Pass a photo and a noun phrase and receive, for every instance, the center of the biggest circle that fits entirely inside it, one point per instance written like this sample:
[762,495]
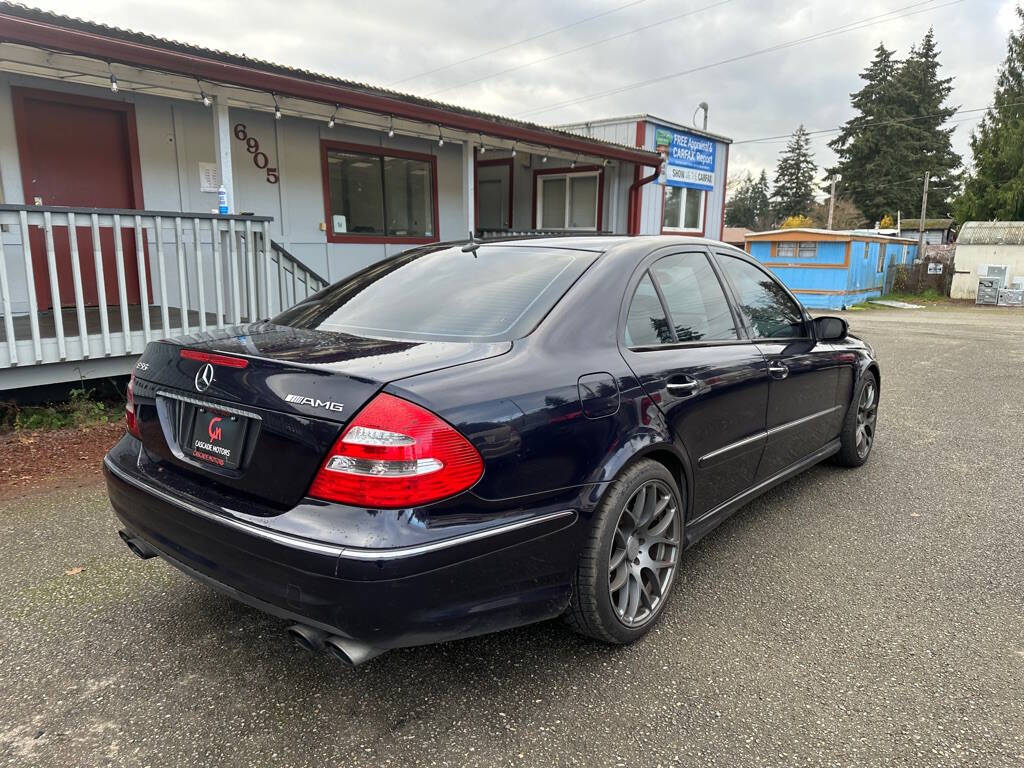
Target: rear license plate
[217,438]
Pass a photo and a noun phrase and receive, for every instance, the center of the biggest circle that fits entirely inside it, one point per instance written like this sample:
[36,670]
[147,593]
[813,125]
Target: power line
[852,26]
[819,133]
[579,48]
[518,42]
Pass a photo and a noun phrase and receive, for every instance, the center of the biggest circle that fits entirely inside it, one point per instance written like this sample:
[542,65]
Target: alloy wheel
[644,553]
[867,413]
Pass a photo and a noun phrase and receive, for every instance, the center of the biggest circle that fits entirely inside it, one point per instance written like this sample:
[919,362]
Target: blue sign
[689,159]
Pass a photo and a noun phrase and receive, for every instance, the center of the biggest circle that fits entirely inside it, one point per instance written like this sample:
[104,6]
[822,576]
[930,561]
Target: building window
[805,249]
[683,210]
[376,197]
[881,258]
[569,200]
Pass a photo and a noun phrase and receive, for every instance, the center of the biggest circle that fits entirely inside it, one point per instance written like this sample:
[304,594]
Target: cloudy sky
[590,59]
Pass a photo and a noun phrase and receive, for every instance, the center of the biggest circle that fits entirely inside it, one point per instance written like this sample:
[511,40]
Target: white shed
[984,249]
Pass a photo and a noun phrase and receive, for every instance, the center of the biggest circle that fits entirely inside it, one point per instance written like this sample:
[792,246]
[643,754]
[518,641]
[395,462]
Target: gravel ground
[866,617]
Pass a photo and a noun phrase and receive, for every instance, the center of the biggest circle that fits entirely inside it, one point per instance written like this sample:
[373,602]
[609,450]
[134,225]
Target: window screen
[695,298]
[764,303]
[496,293]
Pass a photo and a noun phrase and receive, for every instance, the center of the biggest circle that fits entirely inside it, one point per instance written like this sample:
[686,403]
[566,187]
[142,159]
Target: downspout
[633,225]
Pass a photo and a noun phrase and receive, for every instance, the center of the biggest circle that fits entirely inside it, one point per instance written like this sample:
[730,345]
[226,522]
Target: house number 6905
[259,158]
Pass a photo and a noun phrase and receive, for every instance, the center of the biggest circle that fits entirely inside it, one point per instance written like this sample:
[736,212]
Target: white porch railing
[193,272]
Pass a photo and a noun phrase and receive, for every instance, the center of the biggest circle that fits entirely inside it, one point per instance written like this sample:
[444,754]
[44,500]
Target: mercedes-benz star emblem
[204,378]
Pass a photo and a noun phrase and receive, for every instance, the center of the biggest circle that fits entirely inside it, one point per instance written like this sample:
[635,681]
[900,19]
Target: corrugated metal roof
[21,11]
[649,118]
[991,233]
[942,224]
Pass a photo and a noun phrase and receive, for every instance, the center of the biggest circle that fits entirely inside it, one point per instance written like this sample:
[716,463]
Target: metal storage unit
[1010,297]
[988,290]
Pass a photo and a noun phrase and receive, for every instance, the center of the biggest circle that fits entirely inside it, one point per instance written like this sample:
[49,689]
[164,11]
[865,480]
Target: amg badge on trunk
[329,405]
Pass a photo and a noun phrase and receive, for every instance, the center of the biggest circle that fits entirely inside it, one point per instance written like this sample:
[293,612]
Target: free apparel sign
[689,159]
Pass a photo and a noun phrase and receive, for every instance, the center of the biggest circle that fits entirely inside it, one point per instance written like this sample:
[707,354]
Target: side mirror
[831,328]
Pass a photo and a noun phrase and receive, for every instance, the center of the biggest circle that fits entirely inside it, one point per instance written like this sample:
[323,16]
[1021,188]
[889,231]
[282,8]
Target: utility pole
[831,203]
[924,210]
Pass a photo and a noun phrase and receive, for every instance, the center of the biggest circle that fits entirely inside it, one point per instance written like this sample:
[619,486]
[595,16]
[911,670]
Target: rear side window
[646,323]
[695,299]
[497,293]
[768,309]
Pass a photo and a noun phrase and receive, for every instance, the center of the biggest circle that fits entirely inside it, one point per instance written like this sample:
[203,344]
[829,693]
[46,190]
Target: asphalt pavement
[870,617]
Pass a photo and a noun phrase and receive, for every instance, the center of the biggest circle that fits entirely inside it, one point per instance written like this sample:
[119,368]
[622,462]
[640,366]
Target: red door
[79,152]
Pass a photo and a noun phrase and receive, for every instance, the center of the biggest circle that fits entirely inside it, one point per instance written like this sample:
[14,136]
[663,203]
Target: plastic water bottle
[222,201]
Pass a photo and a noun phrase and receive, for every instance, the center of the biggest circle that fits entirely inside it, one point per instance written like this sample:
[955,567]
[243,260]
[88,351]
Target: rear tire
[628,565]
[858,434]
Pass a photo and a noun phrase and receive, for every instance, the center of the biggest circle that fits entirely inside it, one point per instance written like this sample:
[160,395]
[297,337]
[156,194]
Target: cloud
[383,41]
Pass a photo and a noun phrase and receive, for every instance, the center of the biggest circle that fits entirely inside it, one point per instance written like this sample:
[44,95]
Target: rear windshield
[497,293]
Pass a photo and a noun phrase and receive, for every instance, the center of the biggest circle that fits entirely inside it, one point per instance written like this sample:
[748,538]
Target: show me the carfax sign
[689,159]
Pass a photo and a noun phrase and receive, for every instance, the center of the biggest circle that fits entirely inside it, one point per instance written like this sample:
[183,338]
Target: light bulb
[113,83]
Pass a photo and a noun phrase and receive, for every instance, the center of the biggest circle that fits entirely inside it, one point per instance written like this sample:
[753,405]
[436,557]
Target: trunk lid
[271,422]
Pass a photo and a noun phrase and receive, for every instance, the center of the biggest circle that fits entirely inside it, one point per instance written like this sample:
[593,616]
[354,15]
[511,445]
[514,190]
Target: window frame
[883,249]
[644,268]
[703,213]
[510,162]
[327,145]
[735,302]
[539,175]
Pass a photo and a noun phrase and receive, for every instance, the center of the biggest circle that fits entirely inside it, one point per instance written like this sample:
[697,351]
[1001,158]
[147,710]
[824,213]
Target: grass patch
[81,409]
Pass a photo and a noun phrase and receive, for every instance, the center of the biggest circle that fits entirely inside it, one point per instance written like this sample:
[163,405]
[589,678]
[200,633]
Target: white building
[125,138]
[689,198]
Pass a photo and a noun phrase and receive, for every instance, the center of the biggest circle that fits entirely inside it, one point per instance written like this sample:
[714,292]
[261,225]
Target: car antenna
[472,245]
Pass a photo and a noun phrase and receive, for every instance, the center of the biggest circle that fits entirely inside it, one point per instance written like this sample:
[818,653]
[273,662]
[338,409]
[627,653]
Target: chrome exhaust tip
[351,652]
[307,638]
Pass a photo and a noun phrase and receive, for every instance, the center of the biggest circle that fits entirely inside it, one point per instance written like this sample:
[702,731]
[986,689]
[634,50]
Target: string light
[482,147]
[277,108]
[545,158]
[440,137]
[513,149]
[113,80]
[391,128]
[334,115]
[203,96]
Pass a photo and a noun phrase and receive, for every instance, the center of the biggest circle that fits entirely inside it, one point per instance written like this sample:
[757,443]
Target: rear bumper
[484,581]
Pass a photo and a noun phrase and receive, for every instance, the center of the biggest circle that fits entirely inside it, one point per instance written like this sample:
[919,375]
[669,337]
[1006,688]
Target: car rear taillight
[130,422]
[396,454]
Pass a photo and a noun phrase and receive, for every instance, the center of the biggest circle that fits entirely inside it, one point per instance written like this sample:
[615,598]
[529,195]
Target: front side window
[805,249]
[568,200]
[695,299]
[379,195]
[769,310]
[683,210]
[495,293]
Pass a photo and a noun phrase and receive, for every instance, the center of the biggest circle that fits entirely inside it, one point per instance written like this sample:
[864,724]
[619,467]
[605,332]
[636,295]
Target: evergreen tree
[749,205]
[897,136]
[868,163]
[995,189]
[794,177]
[762,203]
[925,144]
[740,210]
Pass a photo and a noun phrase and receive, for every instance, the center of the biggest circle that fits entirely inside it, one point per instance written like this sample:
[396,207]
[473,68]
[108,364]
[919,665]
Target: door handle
[681,386]
[778,370]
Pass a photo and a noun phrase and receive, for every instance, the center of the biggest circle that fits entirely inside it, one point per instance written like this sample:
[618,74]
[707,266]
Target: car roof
[599,243]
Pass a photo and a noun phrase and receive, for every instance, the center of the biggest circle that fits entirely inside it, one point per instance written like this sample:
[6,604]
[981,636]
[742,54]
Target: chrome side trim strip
[207,404]
[803,420]
[765,434]
[332,550]
[707,457]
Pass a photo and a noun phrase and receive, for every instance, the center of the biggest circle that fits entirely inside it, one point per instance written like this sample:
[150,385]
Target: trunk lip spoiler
[342,552]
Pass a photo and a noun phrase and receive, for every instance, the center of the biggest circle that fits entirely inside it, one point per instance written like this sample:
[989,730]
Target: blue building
[831,269]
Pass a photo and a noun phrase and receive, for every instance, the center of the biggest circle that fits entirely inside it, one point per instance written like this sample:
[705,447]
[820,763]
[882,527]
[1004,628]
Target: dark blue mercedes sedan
[469,437]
